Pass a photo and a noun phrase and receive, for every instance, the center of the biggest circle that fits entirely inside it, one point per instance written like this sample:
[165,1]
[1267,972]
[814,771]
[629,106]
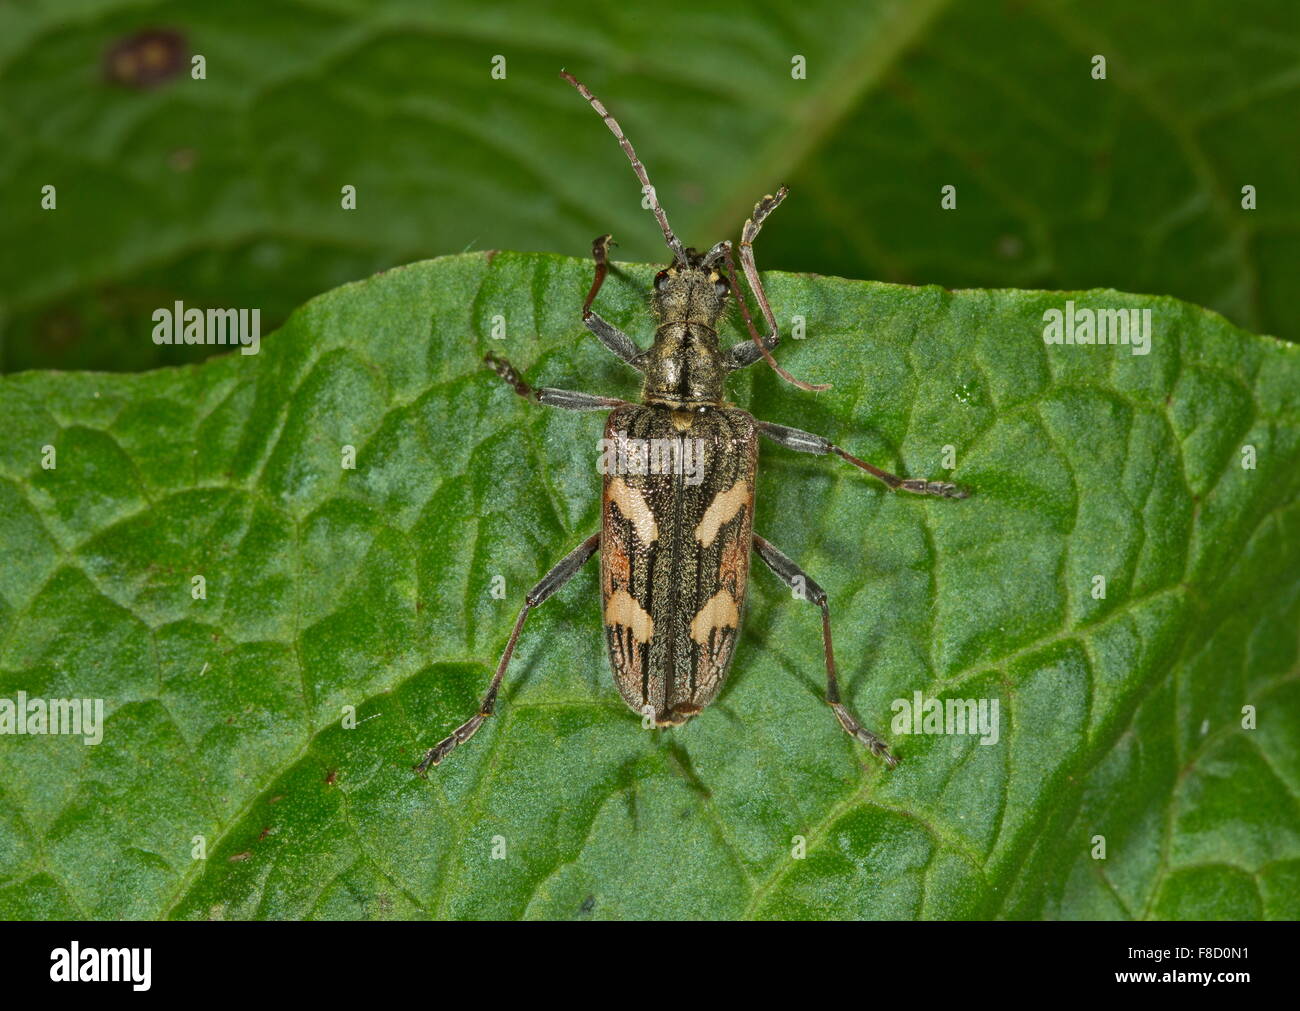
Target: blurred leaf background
[226,191]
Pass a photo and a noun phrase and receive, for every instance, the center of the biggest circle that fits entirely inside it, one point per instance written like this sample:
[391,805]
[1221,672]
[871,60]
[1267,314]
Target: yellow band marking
[632,504]
[718,611]
[622,609]
[724,506]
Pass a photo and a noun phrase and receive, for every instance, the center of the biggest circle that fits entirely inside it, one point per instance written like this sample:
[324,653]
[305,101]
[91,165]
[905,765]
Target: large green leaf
[226,191]
[326,588]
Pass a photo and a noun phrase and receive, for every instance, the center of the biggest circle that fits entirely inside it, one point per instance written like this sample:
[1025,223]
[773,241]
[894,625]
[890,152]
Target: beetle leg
[569,400]
[786,570]
[599,253]
[608,334]
[549,583]
[746,352]
[761,345]
[750,232]
[806,442]
[614,339]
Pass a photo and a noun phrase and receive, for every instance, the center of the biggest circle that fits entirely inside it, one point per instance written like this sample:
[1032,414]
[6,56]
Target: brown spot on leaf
[146,59]
[59,329]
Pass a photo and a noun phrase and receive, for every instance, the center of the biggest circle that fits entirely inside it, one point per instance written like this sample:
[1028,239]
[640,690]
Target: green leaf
[226,191]
[1121,717]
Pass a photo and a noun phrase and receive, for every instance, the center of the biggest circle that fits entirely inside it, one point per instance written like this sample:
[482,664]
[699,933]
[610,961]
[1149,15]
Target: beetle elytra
[675,541]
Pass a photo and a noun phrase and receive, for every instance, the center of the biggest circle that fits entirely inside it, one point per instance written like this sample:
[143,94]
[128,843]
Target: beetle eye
[660,278]
[721,286]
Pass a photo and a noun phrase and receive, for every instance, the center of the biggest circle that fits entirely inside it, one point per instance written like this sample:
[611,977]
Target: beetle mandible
[675,552]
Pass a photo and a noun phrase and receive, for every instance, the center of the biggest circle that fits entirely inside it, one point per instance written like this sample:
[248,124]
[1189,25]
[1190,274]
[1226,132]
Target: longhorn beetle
[674,554]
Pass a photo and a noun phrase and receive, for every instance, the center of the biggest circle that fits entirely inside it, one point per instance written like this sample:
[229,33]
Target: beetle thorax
[684,367]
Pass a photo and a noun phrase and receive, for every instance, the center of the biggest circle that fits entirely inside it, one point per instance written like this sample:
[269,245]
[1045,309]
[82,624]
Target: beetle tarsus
[510,374]
[856,730]
[915,485]
[943,489]
[447,745]
[599,253]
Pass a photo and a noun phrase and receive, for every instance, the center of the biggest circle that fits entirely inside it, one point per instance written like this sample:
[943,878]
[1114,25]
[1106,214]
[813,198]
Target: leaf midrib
[811,121]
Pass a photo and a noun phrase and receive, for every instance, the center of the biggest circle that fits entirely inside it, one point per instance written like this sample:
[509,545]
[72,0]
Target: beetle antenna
[674,243]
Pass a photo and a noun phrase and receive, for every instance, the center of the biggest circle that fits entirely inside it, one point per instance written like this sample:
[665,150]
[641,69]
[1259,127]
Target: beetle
[675,539]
